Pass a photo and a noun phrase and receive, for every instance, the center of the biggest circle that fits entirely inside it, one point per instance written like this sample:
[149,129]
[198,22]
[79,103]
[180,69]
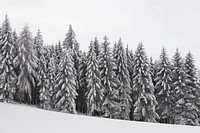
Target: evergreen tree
[81,98]
[153,66]
[8,76]
[28,64]
[143,91]
[163,87]
[96,47]
[122,75]
[66,84]
[94,94]
[184,109]
[192,88]
[108,80]
[70,42]
[45,86]
[41,70]
[51,78]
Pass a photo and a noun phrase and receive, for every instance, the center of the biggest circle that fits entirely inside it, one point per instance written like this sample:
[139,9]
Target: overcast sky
[157,23]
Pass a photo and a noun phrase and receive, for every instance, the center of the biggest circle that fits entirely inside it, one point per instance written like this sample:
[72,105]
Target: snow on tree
[96,47]
[41,71]
[122,75]
[81,98]
[70,42]
[153,71]
[28,64]
[66,84]
[163,87]
[143,91]
[108,80]
[184,109]
[192,86]
[94,94]
[8,76]
[51,78]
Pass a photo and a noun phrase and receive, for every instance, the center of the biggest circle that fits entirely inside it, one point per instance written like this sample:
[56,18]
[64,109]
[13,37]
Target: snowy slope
[22,119]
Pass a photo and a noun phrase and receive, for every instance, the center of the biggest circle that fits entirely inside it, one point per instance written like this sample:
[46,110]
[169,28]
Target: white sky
[158,23]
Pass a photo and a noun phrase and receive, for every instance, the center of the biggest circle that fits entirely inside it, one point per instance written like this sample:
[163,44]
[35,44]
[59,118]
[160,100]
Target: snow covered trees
[184,109]
[41,71]
[81,98]
[8,76]
[65,84]
[94,94]
[109,81]
[144,100]
[163,87]
[122,75]
[28,64]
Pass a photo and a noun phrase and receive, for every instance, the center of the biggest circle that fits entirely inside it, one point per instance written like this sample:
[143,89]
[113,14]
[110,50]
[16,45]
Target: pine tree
[66,84]
[41,71]
[81,98]
[96,47]
[163,87]
[192,89]
[45,86]
[51,78]
[108,80]
[94,94]
[122,75]
[28,64]
[153,66]
[184,108]
[8,76]
[70,42]
[143,91]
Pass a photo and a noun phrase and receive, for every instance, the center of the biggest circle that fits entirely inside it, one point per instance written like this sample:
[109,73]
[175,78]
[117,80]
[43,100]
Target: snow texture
[22,119]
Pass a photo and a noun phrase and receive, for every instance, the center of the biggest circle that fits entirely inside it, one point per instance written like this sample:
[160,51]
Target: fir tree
[51,80]
[184,108]
[153,71]
[81,98]
[122,75]
[108,80]
[41,70]
[96,47]
[143,91]
[163,87]
[66,84]
[28,64]
[8,76]
[70,42]
[192,88]
[94,94]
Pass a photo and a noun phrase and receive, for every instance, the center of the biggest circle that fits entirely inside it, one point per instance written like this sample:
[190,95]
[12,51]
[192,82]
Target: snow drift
[23,119]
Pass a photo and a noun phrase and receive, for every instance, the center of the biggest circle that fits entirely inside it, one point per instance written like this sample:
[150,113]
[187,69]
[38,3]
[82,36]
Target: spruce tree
[51,78]
[8,76]
[41,70]
[163,87]
[122,75]
[28,64]
[94,94]
[184,109]
[108,80]
[96,47]
[81,98]
[143,91]
[192,88]
[66,84]
[70,42]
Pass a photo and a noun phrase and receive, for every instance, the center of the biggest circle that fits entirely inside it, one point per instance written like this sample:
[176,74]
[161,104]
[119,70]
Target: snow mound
[23,119]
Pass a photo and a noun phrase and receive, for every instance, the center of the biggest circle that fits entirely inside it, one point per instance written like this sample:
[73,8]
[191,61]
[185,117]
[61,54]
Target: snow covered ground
[23,119]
